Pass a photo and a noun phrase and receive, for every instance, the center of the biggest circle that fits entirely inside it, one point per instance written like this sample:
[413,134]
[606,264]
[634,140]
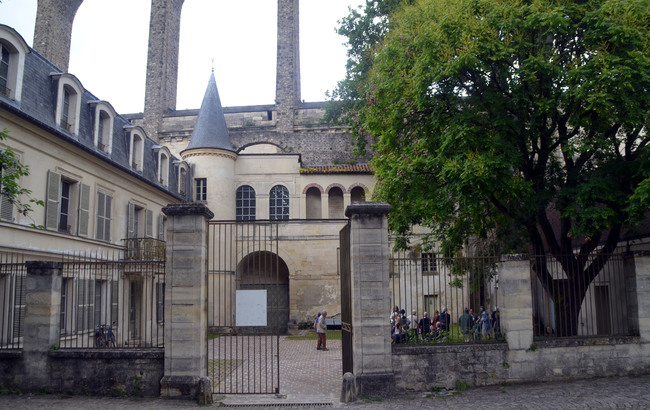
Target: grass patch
[331,335]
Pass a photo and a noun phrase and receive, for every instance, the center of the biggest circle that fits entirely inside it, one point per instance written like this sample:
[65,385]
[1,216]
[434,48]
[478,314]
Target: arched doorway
[264,270]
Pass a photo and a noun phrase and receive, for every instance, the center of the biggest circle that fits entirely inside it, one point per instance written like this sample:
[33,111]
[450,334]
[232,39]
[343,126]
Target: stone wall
[525,358]
[89,372]
[424,367]
[481,364]
[317,143]
[53,30]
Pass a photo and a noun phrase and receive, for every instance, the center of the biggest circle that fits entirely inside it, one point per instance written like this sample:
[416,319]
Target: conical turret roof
[210,130]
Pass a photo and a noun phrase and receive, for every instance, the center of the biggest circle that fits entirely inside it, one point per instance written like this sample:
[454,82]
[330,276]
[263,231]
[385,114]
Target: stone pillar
[287,80]
[642,269]
[42,321]
[370,295]
[53,30]
[630,281]
[162,63]
[516,307]
[186,303]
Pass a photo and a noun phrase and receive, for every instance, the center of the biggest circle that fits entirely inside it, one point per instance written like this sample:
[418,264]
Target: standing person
[486,324]
[316,322]
[445,319]
[412,321]
[424,327]
[466,322]
[322,332]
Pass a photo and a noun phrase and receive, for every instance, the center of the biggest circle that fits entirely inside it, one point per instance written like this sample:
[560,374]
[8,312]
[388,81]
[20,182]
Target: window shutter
[52,205]
[6,207]
[130,228]
[101,202]
[107,233]
[84,210]
[148,223]
[161,227]
[114,302]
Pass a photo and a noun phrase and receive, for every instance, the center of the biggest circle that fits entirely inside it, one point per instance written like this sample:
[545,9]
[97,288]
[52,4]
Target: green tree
[502,119]
[11,170]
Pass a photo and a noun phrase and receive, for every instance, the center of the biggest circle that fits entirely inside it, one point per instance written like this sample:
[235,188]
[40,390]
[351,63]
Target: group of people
[482,326]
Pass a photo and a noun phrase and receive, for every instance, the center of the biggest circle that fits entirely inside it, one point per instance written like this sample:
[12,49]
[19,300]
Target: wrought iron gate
[346,301]
[248,302]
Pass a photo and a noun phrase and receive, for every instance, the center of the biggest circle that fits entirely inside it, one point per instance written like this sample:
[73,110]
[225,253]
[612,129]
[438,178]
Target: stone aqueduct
[290,124]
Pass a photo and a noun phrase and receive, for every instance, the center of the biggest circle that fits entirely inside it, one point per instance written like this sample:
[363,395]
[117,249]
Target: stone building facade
[265,150]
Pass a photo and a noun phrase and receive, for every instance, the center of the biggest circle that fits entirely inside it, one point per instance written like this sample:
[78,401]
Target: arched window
[69,92]
[5,56]
[12,63]
[335,201]
[279,203]
[182,179]
[103,133]
[163,171]
[314,204]
[245,203]
[136,151]
[358,194]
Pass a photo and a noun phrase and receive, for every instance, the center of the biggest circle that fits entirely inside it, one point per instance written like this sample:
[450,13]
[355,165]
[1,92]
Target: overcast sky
[109,48]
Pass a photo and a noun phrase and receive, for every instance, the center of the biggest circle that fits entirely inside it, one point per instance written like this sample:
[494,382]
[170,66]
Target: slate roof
[38,104]
[210,130]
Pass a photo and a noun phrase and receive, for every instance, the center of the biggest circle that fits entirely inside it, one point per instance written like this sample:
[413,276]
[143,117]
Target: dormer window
[12,62]
[163,170]
[182,177]
[4,71]
[103,131]
[68,106]
[163,164]
[136,147]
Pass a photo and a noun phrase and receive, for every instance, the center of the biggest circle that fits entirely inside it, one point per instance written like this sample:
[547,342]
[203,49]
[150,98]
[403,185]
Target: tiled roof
[337,169]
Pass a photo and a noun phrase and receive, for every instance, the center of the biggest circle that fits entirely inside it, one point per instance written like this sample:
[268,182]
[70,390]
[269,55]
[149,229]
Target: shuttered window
[84,210]
[104,203]
[161,227]
[6,207]
[148,223]
[52,203]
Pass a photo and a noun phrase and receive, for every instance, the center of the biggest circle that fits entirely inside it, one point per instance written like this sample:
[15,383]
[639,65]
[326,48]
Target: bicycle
[104,336]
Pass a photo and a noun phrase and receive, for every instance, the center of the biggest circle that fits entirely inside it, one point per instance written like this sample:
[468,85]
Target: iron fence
[12,300]
[576,296]
[108,302]
[443,300]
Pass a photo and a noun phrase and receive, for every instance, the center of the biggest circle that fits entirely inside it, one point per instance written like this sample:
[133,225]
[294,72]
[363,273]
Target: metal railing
[580,296]
[145,249]
[12,301]
[112,303]
[459,295]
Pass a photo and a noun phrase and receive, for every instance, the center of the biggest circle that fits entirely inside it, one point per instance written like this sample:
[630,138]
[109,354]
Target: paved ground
[312,379]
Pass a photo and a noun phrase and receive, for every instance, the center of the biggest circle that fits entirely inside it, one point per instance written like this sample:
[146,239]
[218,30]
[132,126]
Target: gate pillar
[186,303]
[370,297]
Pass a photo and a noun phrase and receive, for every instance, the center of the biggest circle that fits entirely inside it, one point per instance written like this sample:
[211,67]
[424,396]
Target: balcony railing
[144,249]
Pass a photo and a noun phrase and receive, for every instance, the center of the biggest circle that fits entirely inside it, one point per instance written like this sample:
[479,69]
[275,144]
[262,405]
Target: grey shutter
[107,233]
[148,223]
[101,203]
[84,210]
[6,207]
[161,227]
[52,204]
[130,222]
